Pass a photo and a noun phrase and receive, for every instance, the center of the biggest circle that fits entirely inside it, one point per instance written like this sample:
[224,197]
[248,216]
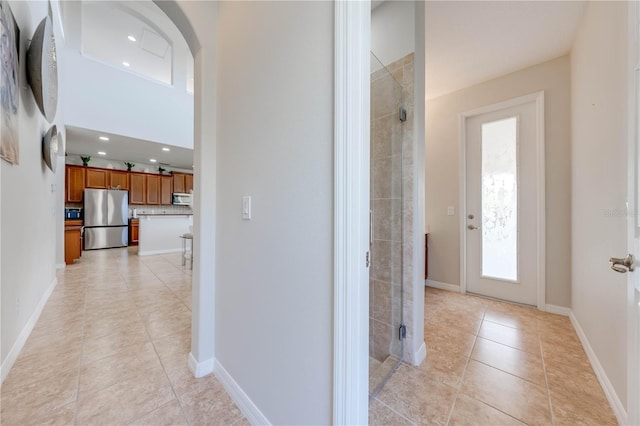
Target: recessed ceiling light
[126,64]
[131,38]
[166,149]
[153,160]
[102,153]
[104,138]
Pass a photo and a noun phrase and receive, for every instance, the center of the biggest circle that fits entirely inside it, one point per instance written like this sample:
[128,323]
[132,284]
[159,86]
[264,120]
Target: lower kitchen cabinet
[134,228]
[72,241]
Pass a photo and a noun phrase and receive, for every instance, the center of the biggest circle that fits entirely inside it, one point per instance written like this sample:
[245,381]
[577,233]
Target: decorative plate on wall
[50,144]
[42,69]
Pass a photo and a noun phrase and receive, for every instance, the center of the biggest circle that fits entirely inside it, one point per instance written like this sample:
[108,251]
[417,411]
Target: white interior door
[502,217]
[633,218]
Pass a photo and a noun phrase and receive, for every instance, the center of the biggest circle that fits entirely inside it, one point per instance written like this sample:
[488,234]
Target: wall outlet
[451,211]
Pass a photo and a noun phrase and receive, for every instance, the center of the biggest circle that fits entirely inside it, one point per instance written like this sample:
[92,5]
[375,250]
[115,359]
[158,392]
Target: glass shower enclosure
[386,239]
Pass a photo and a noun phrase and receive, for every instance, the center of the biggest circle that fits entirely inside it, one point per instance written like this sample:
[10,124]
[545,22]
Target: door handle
[473,227]
[622,265]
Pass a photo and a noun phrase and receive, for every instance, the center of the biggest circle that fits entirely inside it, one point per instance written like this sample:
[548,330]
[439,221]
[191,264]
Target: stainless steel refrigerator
[106,218]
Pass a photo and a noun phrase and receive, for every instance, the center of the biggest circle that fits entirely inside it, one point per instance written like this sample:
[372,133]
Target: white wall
[443,176]
[30,210]
[274,285]
[108,163]
[103,97]
[599,175]
[393,30]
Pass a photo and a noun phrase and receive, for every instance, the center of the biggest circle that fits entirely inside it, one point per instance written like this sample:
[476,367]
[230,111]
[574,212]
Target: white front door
[503,216]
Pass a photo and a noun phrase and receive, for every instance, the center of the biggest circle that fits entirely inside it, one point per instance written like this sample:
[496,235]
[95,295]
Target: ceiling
[81,141]
[468,42]
[139,33]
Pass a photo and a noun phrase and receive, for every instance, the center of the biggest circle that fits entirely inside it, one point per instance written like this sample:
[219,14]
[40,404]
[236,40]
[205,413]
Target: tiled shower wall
[391,206]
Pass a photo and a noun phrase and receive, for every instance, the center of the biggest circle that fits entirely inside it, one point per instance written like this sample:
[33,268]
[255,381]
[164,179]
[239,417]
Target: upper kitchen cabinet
[74,183]
[182,182]
[178,182]
[137,188]
[188,183]
[96,178]
[153,189]
[166,189]
[119,178]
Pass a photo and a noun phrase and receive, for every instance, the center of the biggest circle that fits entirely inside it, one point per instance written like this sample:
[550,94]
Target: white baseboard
[200,369]
[609,391]
[442,286]
[152,252]
[420,354]
[558,310]
[12,356]
[247,407]
[61,265]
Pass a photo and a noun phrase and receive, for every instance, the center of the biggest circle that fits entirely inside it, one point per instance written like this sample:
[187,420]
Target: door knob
[472,227]
[622,265]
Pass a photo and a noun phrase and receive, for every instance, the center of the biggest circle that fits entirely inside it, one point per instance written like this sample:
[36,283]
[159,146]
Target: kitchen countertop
[163,214]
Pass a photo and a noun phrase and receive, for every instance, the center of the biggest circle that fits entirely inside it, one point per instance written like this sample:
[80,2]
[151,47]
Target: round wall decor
[42,69]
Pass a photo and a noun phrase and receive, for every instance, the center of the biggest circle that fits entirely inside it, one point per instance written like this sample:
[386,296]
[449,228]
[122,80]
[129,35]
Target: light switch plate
[246,207]
[451,211]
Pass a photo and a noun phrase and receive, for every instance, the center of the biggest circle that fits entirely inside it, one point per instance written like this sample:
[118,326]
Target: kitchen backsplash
[143,209]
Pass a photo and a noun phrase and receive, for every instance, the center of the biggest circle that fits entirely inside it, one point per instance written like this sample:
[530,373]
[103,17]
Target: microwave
[181,199]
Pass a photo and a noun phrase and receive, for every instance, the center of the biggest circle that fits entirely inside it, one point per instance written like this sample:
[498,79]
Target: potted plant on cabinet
[129,165]
[161,170]
[85,160]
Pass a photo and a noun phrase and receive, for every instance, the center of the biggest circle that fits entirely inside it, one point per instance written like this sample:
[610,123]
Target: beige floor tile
[444,367]
[412,394]
[576,409]
[570,354]
[514,337]
[526,365]
[455,320]
[513,319]
[39,399]
[120,338]
[381,415]
[471,412]
[132,362]
[512,395]
[124,401]
[208,403]
[448,340]
[169,414]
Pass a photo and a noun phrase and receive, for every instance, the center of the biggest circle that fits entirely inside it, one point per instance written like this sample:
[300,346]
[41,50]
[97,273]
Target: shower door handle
[370,227]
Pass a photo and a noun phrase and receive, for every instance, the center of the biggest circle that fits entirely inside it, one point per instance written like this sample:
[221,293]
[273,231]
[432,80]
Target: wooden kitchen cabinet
[74,183]
[182,182]
[96,178]
[166,189]
[178,182]
[72,241]
[119,178]
[137,188]
[153,189]
[134,228]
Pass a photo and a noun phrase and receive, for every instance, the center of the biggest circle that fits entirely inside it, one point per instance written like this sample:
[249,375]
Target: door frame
[633,220]
[351,212]
[538,98]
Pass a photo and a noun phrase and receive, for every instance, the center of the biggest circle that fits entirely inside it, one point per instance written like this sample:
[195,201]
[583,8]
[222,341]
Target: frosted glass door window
[500,199]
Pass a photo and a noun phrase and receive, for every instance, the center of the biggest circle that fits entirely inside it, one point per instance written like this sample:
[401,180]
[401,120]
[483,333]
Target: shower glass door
[386,240]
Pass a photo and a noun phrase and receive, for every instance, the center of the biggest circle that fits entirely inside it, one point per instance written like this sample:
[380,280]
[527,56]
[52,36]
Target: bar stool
[185,238]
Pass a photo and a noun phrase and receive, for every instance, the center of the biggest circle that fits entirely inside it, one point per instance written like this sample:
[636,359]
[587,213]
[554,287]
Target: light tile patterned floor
[111,347]
[493,363]
[112,343]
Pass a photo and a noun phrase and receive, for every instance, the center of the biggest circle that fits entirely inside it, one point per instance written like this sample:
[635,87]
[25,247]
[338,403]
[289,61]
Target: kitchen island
[160,233]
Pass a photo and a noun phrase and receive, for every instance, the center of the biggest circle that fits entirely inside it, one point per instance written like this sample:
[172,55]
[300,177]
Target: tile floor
[111,347]
[493,363]
[112,342]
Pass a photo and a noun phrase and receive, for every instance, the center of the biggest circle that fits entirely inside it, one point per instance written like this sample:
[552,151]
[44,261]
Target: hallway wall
[599,126]
[442,187]
[31,213]
[274,273]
